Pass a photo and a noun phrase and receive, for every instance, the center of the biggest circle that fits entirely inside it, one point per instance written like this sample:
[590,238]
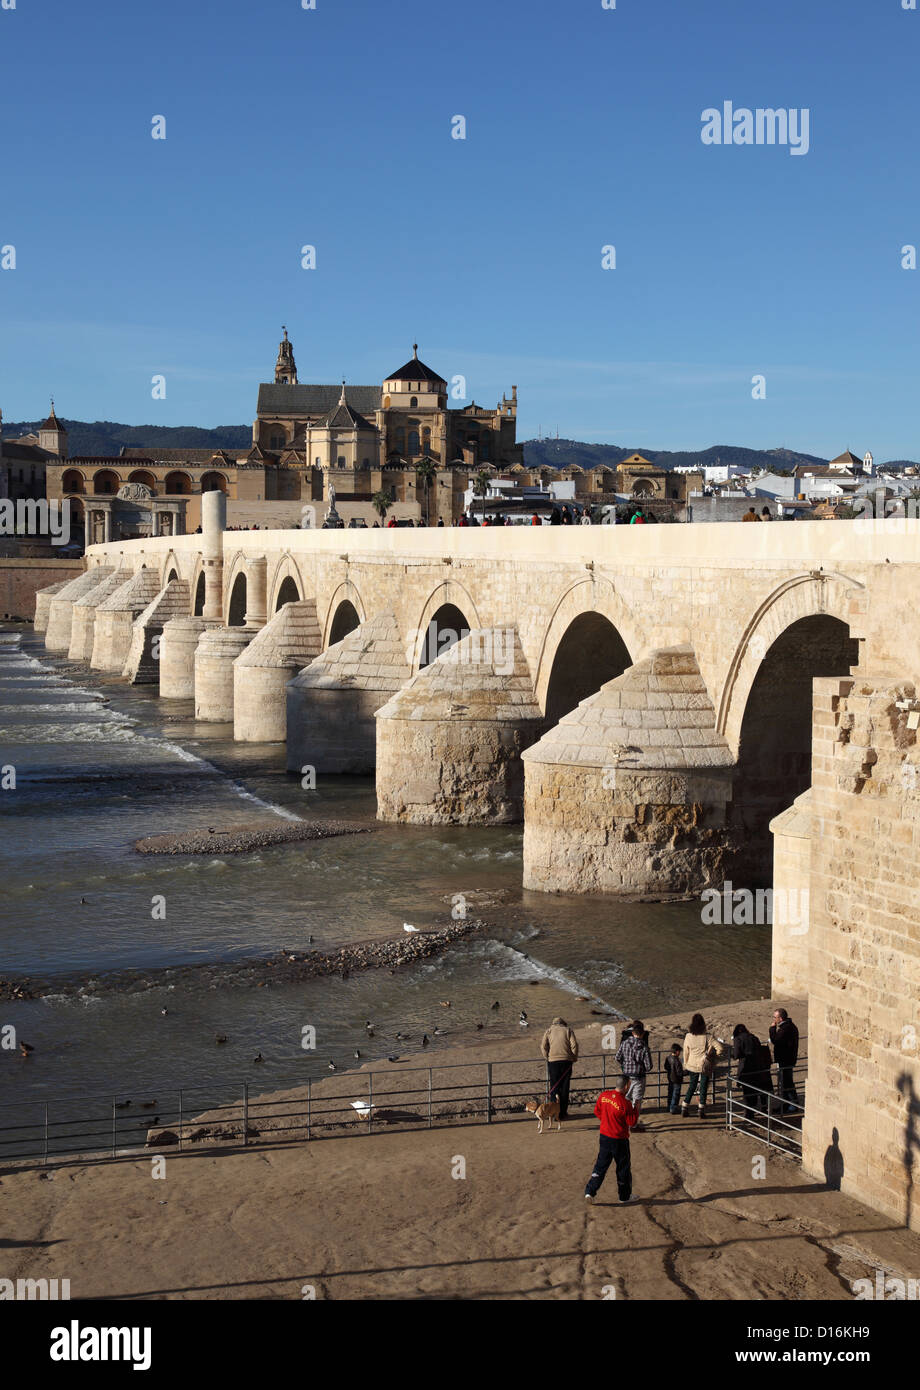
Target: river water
[99,765]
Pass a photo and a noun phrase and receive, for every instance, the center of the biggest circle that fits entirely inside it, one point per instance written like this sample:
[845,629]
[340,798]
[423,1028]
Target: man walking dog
[560,1048]
[617,1116]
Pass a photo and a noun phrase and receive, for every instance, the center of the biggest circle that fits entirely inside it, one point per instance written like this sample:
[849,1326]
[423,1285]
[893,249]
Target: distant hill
[104,438]
[558,453]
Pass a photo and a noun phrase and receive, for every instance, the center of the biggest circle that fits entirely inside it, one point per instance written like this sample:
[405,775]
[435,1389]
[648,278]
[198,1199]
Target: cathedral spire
[285,367]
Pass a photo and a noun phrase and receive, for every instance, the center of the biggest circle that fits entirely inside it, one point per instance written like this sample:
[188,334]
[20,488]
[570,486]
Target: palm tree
[426,470]
[481,483]
[381,502]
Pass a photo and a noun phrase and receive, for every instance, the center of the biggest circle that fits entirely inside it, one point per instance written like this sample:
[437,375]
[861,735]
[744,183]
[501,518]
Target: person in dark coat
[785,1039]
[746,1051]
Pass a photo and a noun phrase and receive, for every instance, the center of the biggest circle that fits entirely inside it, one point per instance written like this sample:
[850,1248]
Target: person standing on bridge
[560,1048]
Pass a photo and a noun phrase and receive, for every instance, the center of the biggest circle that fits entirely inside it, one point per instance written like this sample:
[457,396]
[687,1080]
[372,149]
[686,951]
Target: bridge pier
[60,610]
[628,793]
[449,743]
[331,704]
[143,662]
[217,650]
[261,674]
[43,603]
[177,656]
[115,620]
[83,617]
[792,833]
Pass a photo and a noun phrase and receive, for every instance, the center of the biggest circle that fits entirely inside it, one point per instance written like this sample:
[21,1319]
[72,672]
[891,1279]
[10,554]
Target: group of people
[689,1068]
[751,515]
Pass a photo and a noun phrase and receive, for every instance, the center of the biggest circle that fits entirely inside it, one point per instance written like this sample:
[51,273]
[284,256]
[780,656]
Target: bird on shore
[164,1012]
[393,1058]
[357,1055]
[496,1005]
[408,927]
[445,1003]
[368,1026]
[523,1019]
[439,1032]
[310,940]
[220,1039]
[25,1048]
[478,1027]
[259,1058]
[332,1066]
[425,1040]
[400,1038]
[83,902]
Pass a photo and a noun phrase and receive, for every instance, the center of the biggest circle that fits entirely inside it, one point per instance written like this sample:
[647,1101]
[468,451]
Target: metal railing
[289,1108]
[775,1119]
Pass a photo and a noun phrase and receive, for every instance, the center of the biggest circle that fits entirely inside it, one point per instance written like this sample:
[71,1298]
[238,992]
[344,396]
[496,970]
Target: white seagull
[408,927]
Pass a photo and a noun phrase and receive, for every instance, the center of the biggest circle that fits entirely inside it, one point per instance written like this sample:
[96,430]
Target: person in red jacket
[617,1116]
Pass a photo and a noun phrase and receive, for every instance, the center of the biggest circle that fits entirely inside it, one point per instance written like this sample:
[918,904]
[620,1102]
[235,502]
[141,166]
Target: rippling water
[99,765]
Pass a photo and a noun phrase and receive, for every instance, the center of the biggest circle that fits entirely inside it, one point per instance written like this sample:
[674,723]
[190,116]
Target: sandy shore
[384,1217]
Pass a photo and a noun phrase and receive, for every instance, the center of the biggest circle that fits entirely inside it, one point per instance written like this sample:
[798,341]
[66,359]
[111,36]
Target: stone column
[213,524]
[87,528]
[175,520]
[107,522]
[256,592]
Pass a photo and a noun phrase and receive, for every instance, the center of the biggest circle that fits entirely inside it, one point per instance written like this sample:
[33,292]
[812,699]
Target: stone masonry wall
[863,1101]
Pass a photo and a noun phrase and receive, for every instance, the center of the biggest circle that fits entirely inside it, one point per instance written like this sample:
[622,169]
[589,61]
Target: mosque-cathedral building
[360,440]
[307,438]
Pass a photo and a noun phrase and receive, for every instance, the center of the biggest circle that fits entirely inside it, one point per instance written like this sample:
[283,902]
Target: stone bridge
[654,682]
[651,701]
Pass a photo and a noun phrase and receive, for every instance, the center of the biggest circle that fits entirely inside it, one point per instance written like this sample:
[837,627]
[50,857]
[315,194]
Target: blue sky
[332,127]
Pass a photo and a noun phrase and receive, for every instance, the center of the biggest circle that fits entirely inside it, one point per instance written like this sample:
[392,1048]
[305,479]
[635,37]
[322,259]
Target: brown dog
[544,1110]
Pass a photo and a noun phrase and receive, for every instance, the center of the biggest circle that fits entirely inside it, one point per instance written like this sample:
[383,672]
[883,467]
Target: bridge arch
[345,593]
[236,607]
[170,568]
[199,595]
[804,595]
[450,608]
[288,592]
[285,577]
[589,618]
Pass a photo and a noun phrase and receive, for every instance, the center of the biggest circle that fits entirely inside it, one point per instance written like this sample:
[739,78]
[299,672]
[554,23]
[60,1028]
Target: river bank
[476,1211]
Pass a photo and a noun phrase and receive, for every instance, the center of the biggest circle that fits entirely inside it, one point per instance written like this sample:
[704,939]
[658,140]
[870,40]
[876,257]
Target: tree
[481,483]
[426,471]
[381,502]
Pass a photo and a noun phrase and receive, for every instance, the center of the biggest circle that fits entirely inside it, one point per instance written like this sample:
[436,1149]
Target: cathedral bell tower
[285,367]
[52,435]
